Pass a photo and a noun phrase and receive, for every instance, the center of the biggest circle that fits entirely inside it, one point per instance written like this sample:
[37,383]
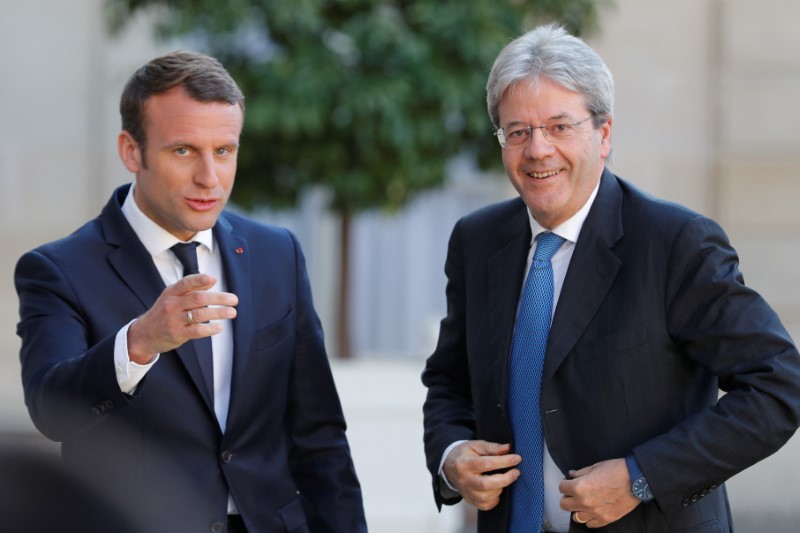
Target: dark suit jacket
[653,319]
[284,456]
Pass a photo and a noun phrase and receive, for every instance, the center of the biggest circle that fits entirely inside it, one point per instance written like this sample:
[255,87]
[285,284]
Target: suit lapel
[505,270]
[237,267]
[591,272]
[128,256]
[135,267]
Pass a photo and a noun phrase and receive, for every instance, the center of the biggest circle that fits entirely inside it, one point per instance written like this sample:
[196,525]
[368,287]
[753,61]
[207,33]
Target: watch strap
[634,470]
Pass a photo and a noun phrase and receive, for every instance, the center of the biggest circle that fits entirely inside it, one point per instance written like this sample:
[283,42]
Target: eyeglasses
[554,132]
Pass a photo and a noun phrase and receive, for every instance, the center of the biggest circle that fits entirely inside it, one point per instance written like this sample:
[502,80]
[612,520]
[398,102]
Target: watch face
[642,490]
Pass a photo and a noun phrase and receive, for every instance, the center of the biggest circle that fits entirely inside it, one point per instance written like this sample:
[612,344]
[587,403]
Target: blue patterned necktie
[187,255]
[525,383]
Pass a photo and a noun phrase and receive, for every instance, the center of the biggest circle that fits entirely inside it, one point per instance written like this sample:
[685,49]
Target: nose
[538,146]
[205,174]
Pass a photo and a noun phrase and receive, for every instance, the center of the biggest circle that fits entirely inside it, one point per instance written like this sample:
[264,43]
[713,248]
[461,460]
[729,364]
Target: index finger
[567,487]
[495,464]
[193,282]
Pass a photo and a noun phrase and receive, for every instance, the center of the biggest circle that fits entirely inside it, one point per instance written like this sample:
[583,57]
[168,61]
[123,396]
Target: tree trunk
[343,318]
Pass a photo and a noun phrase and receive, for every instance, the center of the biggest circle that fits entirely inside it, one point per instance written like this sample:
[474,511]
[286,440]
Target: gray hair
[550,52]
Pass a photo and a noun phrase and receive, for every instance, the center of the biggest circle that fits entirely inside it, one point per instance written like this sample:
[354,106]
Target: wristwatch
[639,486]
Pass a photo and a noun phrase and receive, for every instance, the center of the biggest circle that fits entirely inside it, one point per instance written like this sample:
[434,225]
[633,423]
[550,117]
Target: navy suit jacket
[652,321]
[284,456]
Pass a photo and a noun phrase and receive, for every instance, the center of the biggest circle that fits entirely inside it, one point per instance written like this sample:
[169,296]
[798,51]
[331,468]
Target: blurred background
[367,140]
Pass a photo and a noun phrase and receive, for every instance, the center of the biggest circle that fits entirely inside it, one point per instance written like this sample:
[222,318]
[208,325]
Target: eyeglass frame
[501,137]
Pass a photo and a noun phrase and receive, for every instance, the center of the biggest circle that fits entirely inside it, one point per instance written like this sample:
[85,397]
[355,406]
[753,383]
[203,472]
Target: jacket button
[685,502]
[106,405]
[226,456]
[218,527]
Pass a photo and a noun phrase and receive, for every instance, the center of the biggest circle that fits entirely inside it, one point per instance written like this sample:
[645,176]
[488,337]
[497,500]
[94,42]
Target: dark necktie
[186,252]
[187,255]
[525,383]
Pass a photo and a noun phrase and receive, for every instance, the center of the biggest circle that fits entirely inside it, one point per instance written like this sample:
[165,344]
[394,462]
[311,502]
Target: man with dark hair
[173,347]
[590,329]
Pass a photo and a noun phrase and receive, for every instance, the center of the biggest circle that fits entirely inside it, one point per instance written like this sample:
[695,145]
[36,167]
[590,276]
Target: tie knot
[186,252]
[547,245]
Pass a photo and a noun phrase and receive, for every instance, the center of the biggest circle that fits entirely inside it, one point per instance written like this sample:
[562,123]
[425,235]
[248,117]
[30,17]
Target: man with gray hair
[590,329]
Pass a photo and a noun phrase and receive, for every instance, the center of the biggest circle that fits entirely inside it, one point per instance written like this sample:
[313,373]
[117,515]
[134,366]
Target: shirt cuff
[129,373]
[445,488]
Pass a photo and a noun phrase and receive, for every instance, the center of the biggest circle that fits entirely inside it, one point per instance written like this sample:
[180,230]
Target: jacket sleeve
[448,411]
[68,384]
[729,330]
[320,458]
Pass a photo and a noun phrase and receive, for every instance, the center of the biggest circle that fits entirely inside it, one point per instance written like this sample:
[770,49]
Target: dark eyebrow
[180,144]
[560,116]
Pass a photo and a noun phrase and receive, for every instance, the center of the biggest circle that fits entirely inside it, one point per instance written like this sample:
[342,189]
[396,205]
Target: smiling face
[185,176]
[554,179]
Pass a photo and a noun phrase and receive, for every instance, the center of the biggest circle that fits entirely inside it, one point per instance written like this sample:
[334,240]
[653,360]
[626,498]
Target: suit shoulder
[641,206]
[261,235]
[82,240]
[493,216]
[657,220]
[247,226]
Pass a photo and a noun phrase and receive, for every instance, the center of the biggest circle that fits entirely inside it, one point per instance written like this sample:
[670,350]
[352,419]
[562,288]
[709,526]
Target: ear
[605,138]
[129,152]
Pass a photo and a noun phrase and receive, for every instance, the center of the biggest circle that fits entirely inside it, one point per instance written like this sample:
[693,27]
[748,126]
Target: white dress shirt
[158,241]
[554,518]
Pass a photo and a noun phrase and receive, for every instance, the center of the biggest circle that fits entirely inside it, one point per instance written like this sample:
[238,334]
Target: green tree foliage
[369,99]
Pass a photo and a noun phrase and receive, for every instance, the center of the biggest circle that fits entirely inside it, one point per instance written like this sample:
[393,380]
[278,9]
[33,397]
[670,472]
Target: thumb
[483,447]
[582,472]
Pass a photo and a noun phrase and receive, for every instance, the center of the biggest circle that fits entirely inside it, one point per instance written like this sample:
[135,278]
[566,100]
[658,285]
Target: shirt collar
[570,228]
[155,238]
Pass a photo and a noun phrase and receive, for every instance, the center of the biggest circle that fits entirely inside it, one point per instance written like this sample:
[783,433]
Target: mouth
[202,204]
[543,175]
